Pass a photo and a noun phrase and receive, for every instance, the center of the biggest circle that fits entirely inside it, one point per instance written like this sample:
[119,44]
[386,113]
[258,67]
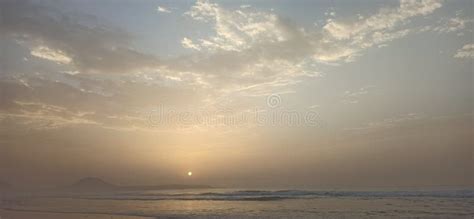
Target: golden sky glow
[270,93]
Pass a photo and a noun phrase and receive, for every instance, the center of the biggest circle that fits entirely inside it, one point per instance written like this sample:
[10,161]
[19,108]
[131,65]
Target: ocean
[238,203]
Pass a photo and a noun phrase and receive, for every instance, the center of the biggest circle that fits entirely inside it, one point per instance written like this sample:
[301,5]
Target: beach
[13,214]
[207,203]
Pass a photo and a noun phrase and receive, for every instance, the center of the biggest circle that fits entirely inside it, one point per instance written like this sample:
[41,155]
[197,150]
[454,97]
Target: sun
[190,173]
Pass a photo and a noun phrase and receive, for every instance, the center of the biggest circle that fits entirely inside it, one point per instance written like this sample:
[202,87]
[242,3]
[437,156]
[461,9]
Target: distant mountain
[92,183]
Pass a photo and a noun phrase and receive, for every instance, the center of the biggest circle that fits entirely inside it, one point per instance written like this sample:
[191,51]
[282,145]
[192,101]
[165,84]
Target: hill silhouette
[92,183]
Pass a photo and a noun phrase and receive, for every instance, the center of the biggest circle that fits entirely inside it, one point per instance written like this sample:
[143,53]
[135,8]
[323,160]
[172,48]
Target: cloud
[386,19]
[450,25]
[236,30]
[373,30]
[251,53]
[43,116]
[257,49]
[55,36]
[387,123]
[467,51]
[75,100]
[245,39]
[250,49]
[50,54]
[267,36]
[162,9]
[352,97]
[187,43]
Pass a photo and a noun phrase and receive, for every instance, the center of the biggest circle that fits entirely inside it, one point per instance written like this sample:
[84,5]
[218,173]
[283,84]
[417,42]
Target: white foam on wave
[263,195]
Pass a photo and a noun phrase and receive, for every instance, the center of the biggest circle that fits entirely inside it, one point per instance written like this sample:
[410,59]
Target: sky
[242,93]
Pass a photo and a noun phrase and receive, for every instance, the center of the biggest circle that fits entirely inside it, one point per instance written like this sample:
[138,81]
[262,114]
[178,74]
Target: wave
[264,195]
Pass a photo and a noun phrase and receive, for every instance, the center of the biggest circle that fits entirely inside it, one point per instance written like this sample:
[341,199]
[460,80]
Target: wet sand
[14,214]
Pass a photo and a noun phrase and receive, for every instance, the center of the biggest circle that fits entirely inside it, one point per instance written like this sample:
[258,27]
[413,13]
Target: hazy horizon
[245,94]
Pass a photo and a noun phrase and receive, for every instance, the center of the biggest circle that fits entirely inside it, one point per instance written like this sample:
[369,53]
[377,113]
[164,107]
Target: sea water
[238,203]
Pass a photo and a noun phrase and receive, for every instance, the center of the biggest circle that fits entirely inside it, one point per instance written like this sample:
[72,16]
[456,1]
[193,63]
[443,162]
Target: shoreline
[6,213]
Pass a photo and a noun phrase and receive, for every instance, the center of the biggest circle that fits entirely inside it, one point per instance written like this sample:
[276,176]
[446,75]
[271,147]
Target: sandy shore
[9,214]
